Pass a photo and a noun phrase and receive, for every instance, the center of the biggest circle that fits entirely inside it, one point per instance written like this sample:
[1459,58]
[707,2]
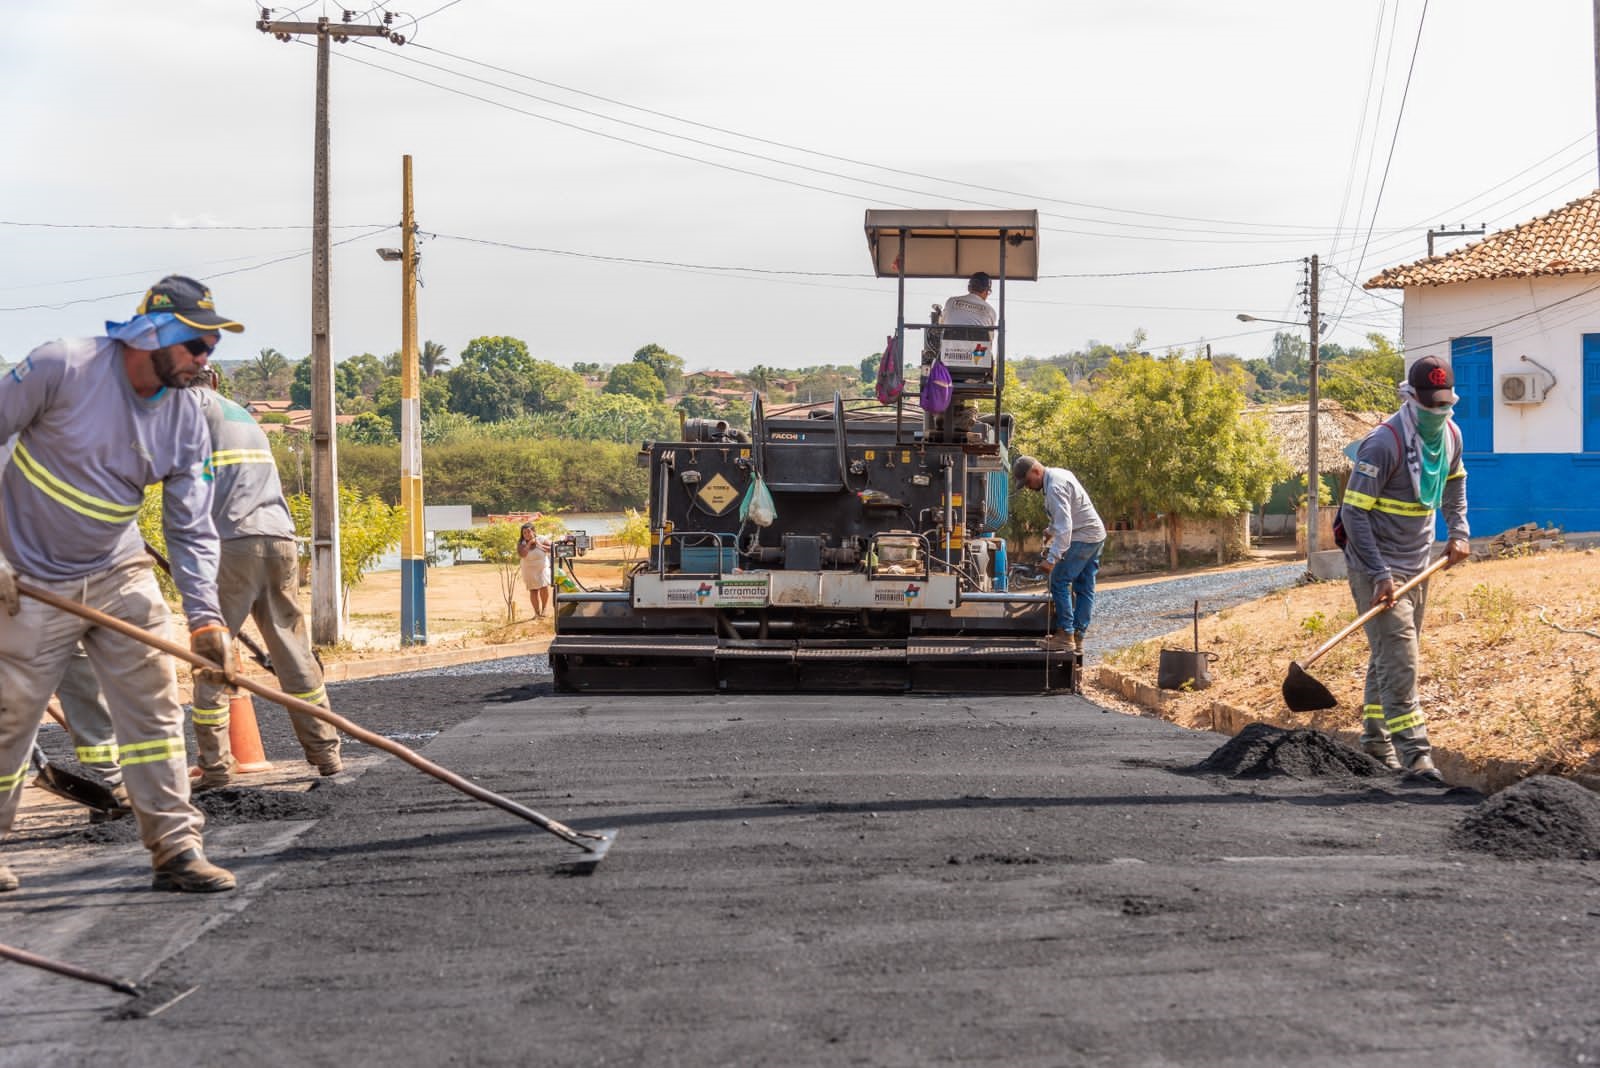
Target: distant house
[704,381]
[259,408]
[1517,314]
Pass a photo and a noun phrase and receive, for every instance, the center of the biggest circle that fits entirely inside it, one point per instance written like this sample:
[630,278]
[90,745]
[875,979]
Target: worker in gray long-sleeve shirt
[257,578]
[98,420]
[1407,468]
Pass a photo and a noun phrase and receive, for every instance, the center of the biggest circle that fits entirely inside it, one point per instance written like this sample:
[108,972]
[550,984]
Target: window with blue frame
[1472,360]
[1591,393]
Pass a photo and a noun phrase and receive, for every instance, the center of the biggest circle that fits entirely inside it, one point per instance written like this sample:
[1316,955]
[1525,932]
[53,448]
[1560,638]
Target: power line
[1175,270]
[1361,132]
[713,146]
[1393,141]
[1297,230]
[217,274]
[172,226]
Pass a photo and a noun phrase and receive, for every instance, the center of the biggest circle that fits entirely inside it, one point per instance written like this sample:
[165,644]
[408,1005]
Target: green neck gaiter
[1431,436]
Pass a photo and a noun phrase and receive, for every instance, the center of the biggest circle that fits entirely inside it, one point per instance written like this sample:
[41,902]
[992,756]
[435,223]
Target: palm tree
[265,376]
[432,360]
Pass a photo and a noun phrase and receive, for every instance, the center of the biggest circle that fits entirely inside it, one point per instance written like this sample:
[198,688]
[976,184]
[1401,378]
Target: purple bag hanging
[891,378]
[937,387]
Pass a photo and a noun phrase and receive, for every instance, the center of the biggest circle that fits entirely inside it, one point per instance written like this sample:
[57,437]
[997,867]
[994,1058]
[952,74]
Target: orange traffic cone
[243,736]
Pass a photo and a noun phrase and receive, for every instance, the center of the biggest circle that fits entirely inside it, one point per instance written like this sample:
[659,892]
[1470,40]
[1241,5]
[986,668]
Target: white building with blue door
[1518,317]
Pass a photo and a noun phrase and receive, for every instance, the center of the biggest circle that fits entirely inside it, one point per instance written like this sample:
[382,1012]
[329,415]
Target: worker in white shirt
[1073,541]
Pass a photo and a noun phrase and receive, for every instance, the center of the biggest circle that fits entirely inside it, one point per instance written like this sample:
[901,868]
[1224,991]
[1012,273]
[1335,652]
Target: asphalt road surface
[823,880]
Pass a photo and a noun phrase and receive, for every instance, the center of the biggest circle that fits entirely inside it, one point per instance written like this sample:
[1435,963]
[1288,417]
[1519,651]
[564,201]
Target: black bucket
[1181,669]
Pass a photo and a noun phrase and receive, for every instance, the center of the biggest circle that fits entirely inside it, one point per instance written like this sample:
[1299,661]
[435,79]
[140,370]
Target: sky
[1185,159]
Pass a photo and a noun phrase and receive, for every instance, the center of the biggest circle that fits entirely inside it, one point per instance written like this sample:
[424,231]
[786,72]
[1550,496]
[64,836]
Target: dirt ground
[1501,679]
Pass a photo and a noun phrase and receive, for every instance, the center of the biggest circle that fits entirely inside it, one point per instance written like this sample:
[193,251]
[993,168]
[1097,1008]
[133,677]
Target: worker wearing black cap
[1407,469]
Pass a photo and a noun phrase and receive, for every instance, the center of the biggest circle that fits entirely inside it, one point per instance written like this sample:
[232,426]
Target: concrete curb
[1484,776]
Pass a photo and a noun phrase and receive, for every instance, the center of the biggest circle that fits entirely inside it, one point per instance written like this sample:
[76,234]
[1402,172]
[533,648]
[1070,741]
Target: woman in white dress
[535,554]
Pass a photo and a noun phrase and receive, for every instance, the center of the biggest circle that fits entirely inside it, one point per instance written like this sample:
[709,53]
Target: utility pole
[1597,72]
[413,548]
[326,617]
[1461,231]
[1313,476]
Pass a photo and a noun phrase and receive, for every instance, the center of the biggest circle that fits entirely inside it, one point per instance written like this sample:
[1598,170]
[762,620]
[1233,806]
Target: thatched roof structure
[1287,424]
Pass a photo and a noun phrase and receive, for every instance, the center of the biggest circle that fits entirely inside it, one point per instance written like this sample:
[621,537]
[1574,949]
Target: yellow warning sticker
[955,498]
[870,454]
[905,456]
[718,495]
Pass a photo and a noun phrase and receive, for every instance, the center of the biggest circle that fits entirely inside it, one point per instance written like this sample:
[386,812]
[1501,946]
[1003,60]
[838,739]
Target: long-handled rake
[148,998]
[1301,692]
[595,844]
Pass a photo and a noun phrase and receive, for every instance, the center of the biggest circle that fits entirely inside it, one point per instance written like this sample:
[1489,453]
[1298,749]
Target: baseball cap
[189,301]
[1020,468]
[1434,382]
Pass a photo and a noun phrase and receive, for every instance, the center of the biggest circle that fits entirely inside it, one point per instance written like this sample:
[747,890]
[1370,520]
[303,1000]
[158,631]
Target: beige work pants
[140,686]
[257,577]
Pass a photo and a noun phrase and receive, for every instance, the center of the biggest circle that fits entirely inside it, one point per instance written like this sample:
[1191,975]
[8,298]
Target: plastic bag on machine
[891,375]
[757,506]
[937,387]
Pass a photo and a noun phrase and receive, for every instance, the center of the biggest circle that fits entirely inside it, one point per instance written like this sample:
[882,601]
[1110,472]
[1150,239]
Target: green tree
[636,380]
[359,376]
[300,384]
[1291,353]
[668,368]
[1161,437]
[761,377]
[869,368]
[432,361]
[497,544]
[635,532]
[368,428]
[433,397]
[1364,380]
[265,377]
[368,528]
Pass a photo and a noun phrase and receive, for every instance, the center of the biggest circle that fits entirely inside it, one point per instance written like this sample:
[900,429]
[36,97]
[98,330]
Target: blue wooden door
[1472,359]
[1591,393]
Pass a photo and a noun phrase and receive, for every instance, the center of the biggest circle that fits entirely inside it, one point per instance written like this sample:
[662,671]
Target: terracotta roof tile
[1566,241]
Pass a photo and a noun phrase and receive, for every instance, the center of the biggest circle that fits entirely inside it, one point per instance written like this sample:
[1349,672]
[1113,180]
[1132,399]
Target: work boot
[1077,642]
[329,764]
[1059,643]
[1423,773]
[8,879]
[212,780]
[191,873]
[1383,751]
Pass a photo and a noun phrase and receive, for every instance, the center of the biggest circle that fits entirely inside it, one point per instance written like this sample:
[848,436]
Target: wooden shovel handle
[585,840]
[1377,609]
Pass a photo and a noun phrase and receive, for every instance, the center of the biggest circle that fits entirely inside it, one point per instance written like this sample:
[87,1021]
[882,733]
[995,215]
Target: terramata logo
[911,591]
[703,591]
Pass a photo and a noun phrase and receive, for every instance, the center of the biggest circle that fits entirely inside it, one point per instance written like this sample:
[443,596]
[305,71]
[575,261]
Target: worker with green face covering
[1407,469]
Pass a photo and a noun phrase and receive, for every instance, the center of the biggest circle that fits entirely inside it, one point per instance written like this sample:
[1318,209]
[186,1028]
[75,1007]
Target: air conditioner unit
[1521,389]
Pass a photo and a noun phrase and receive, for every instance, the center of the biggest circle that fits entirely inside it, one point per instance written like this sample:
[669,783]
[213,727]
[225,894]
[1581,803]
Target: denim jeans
[1072,585]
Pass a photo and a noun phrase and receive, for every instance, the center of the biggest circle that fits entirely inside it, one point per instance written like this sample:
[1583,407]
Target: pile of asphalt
[1541,818]
[1261,751]
[246,804]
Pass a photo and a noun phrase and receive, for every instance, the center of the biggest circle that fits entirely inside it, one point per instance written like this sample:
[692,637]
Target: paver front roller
[595,844]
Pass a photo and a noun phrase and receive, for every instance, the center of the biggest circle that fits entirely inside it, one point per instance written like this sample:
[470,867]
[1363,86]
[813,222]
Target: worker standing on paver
[98,420]
[257,578]
[1407,468]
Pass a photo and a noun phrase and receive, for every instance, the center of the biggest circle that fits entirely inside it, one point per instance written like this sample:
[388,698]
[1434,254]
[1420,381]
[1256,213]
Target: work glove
[213,643]
[8,587]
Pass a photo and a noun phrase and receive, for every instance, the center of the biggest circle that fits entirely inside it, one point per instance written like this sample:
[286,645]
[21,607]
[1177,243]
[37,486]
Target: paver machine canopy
[845,546]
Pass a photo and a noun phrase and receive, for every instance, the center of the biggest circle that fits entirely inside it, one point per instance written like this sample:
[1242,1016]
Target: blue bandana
[154,331]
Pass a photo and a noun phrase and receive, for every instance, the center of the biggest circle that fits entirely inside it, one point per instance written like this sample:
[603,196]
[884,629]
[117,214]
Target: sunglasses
[198,346]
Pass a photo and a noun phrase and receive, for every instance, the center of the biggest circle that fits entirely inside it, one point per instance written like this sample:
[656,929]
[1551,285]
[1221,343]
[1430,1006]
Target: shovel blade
[72,787]
[150,999]
[1302,693]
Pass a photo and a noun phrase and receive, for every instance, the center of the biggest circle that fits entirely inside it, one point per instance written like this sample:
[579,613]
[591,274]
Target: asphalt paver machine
[869,561]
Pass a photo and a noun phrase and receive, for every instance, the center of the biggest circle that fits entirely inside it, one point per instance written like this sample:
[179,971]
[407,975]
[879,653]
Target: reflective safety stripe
[1369,503]
[1459,474]
[97,754]
[11,782]
[210,717]
[83,503]
[313,697]
[228,457]
[1371,711]
[152,752]
[1406,722]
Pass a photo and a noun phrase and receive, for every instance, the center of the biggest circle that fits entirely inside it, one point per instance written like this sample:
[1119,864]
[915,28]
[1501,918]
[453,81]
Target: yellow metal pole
[413,538]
